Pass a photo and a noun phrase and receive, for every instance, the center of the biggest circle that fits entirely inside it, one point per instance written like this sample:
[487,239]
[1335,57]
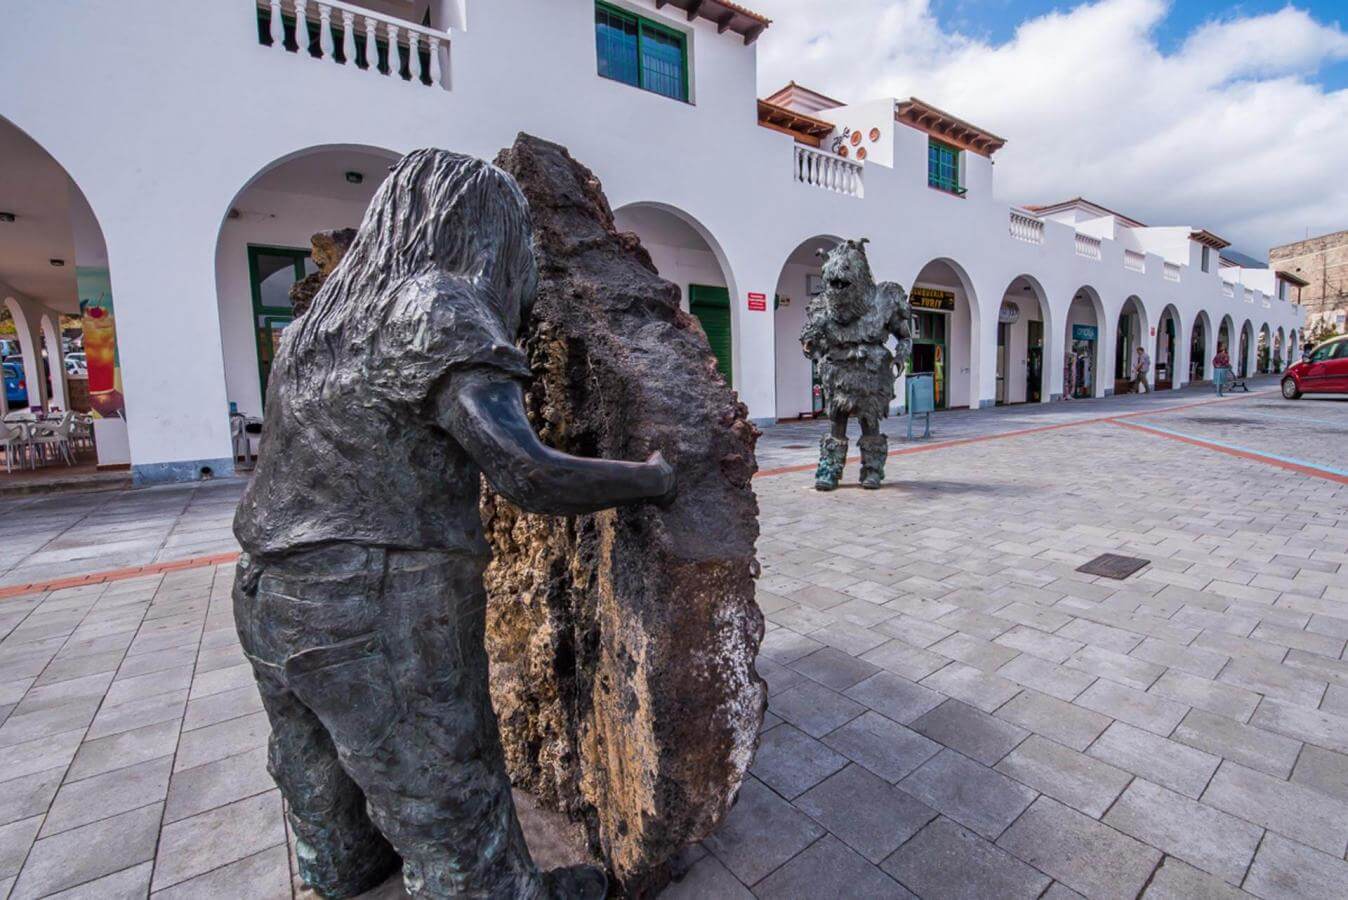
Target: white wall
[793,381]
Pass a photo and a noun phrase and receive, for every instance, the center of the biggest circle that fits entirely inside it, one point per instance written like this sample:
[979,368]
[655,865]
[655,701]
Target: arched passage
[798,283]
[1169,358]
[1083,358]
[1201,348]
[264,247]
[57,394]
[1264,350]
[1024,332]
[1293,346]
[1279,350]
[1132,335]
[1244,360]
[686,253]
[1226,337]
[948,334]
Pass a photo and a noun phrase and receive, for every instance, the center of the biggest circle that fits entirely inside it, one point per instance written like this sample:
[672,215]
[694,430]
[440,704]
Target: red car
[1325,371]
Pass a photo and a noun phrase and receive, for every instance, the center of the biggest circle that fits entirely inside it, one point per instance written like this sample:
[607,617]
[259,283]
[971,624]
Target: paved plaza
[955,711]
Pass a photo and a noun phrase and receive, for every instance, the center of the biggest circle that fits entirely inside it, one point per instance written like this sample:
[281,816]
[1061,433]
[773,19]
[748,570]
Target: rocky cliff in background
[623,643]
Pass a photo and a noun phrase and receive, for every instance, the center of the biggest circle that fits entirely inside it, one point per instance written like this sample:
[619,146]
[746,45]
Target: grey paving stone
[1176,880]
[1310,725]
[779,677]
[828,870]
[126,748]
[20,728]
[973,795]
[970,731]
[905,660]
[784,645]
[81,802]
[60,670]
[883,746]
[1323,770]
[760,833]
[205,787]
[1064,774]
[1196,833]
[1176,766]
[1292,810]
[849,638]
[791,762]
[1155,714]
[15,839]
[865,811]
[1275,681]
[266,875]
[138,713]
[974,651]
[894,697]
[1245,744]
[83,854]
[815,709]
[975,687]
[196,748]
[708,879]
[912,630]
[1106,637]
[128,884]
[947,861]
[1083,854]
[40,755]
[834,669]
[151,684]
[1115,666]
[1050,647]
[1064,722]
[28,795]
[1046,677]
[194,846]
[1321,644]
[1194,660]
[972,622]
[1284,868]
[1202,693]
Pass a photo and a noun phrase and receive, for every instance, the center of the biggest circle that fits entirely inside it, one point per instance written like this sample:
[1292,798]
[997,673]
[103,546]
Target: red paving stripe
[1239,454]
[39,587]
[1019,432]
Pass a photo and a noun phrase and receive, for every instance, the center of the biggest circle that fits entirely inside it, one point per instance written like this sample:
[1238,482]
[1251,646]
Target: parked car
[8,347]
[75,367]
[1325,371]
[16,389]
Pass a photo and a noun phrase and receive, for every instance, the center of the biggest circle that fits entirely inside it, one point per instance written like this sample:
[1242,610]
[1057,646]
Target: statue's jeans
[373,673]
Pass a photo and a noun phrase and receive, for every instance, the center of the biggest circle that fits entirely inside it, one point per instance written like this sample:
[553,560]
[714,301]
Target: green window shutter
[943,170]
[641,52]
[711,306]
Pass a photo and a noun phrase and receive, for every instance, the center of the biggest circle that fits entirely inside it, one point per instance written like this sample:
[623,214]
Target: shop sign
[1083,332]
[758,303]
[1009,314]
[932,298]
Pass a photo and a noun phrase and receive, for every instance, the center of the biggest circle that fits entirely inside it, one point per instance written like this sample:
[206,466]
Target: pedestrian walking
[1141,366]
[1221,368]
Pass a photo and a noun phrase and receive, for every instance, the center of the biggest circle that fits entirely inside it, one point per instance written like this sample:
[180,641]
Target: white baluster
[276,29]
[371,44]
[413,57]
[394,59]
[325,30]
[349,37]
[301,27]
[437,73]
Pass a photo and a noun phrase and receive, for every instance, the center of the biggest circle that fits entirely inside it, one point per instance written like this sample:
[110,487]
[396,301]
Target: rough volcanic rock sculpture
[329,248]
[623,643]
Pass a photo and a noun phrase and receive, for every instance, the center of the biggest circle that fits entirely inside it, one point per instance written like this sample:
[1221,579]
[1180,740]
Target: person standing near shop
[1141,366]
[1221,368]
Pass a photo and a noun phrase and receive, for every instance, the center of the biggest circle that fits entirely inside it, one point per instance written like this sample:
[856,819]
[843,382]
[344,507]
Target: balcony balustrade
[1088,246]
[1134,261]
[1025,227]
[1228,289]
[1172,271]
[828,171]
[363,39]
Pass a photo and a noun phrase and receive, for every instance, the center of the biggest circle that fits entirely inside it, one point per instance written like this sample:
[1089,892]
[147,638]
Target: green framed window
[640,52]
[943,167]
[271,272]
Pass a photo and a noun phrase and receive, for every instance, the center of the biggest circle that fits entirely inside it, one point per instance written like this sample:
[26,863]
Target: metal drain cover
[1110,565]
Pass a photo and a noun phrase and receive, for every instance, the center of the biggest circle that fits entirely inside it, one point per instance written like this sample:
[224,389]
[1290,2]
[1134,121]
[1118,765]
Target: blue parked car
[16,389]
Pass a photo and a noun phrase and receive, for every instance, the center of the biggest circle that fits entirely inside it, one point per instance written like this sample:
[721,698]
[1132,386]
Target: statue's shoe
[871,484]
[576,883]
[822,485]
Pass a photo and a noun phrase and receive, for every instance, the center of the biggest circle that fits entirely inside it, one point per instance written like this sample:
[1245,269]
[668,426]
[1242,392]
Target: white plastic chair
[13,439]
[57,437]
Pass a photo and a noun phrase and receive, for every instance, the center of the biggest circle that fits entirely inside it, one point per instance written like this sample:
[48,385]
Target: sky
[1231,117]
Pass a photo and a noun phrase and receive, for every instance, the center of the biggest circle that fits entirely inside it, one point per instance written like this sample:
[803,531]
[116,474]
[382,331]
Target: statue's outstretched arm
[484,410]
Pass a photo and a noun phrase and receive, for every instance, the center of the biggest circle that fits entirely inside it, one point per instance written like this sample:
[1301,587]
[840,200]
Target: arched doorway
[1244,361]
[1024,327]
[1132,334]
[53,262]
[1084,346]
[1200,349]
[685,253]
[264,247]
[946,341]
[1264,351]
[1279,348]
[1169,350]
[1226,335]
[799,283]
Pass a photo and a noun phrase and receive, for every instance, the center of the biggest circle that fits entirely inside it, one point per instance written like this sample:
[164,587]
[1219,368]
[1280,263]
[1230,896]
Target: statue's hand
[663,482]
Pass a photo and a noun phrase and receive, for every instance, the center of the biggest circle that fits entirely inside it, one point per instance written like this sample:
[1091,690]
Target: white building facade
[189,150]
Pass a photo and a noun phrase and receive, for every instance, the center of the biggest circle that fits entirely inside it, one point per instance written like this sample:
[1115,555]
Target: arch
[1170,354]
[1025,334]
[1201,347]
[263,243]
[1264,350]
[686,253]
[1085,346]
[57,393]
[1244,359]
[954,351]
[1293,346]
[1133,330]
[796,285]
[1279,347]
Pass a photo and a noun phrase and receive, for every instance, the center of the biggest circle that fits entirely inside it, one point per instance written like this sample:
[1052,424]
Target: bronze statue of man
[847,328]
[359,596]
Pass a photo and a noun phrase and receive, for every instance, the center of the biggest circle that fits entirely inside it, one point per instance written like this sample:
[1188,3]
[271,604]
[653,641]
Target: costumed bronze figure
[847,328]
[359,597]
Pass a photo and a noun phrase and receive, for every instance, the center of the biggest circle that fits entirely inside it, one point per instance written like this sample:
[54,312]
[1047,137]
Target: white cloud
[1227,132]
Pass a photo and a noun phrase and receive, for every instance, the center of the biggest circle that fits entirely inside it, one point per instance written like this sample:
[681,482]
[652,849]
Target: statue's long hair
[436,213]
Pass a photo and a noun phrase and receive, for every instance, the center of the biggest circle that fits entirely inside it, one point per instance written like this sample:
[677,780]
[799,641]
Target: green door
[711,305]
[271,272]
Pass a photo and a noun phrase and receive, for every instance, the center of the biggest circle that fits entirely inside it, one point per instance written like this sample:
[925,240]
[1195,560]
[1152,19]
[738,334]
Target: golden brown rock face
[623,643]
[329,248]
